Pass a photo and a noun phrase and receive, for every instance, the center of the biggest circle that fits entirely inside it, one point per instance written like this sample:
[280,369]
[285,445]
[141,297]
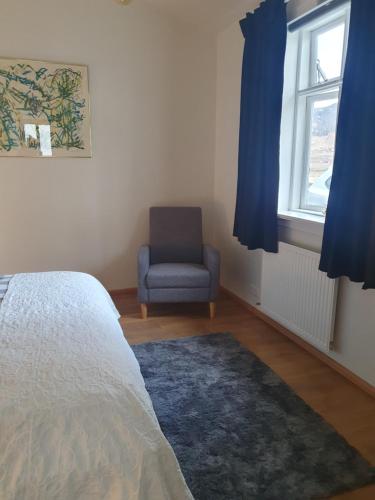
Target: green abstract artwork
[44,109]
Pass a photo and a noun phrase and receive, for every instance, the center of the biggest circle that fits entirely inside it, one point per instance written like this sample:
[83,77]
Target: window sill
[301,221]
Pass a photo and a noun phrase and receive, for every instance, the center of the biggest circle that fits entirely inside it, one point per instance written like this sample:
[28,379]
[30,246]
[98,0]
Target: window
[313,103]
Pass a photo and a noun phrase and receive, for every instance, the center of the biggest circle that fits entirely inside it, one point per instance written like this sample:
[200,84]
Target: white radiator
[299,296]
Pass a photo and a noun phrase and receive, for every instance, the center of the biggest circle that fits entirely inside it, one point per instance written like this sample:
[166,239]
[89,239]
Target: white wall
[153,108]
[355,324]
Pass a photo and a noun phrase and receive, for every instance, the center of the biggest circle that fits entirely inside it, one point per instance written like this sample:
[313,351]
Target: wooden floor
[343,405]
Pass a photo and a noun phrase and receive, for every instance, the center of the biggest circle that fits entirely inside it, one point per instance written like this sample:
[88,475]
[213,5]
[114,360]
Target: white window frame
[298,99]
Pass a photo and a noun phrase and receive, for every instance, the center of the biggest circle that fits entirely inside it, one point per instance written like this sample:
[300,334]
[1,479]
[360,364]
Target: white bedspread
[76,422]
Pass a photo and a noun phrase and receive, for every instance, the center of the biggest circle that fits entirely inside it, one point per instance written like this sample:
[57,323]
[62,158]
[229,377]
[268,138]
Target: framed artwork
[44,109]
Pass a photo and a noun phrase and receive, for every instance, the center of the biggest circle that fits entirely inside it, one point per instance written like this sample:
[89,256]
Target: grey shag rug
[238,431]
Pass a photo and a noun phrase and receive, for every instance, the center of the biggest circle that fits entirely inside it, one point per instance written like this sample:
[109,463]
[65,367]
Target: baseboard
[352,377]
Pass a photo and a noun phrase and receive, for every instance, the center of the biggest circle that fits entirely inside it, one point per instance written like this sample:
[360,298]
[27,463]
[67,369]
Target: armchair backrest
[175,235]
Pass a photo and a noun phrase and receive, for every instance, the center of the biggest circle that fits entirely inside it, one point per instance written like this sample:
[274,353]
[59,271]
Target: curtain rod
[297,9]
[300,12]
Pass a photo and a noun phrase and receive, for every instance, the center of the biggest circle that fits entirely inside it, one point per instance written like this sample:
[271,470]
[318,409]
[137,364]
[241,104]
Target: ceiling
[212,15]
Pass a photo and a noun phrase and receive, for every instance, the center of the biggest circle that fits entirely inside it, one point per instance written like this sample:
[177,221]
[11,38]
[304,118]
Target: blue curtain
[261,101]
[349,234]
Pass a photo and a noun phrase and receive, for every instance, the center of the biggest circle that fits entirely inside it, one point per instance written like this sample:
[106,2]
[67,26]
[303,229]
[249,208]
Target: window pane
[321,151]
[329,53]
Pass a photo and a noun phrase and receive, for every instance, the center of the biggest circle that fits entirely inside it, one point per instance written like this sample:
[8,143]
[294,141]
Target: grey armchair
[176,266]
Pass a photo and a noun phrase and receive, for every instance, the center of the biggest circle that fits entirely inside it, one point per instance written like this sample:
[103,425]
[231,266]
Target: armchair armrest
[143,267]
[211,259]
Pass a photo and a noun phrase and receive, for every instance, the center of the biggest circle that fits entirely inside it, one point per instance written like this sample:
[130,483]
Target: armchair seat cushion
[178,275]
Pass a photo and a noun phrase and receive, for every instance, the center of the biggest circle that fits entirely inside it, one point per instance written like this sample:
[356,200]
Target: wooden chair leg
[212,310]
[144,311]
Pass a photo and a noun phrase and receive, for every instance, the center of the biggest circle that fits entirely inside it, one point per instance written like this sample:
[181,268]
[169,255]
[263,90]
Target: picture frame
[44,109]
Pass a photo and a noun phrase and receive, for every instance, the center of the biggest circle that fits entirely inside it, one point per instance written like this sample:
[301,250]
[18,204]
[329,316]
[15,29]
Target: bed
[76,422]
